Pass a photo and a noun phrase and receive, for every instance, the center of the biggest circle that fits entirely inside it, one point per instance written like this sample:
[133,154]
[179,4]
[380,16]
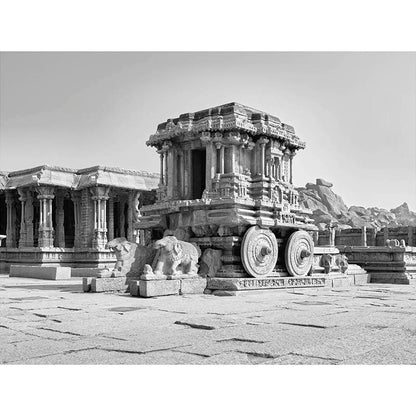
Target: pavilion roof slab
[78,179]
[227,117]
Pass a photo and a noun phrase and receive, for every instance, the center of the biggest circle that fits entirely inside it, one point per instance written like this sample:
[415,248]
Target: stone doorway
[198,173]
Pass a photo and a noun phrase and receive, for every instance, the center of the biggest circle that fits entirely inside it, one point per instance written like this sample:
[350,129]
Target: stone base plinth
[252,283]
[104,284]
[401,278]
[90,272]
[193,286]
[361,277]
[396,265]
[151,287]
[356,276]
[40,272]
[55,256]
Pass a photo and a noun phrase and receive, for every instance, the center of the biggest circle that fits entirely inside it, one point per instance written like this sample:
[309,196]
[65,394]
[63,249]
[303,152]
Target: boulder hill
[327,206]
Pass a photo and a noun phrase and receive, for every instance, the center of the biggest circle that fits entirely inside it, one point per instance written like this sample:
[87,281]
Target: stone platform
[41,272]
[149,288]
[330,268]
[335,280]
[385,264]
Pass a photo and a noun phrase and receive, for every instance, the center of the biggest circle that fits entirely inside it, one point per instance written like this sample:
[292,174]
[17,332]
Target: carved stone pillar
[122,217]
[29,211]
[133,205]
[233,163]
[60,216]
[210,162]
[262,142]
[292,155]
[161,153]
[22,199]
[331,236]
[385,234]
[268,167]
[222,159]
[364,236]
[99,196]
[410,232]
[76,199]
[46,232]
[111,218]
[11,219]
[241,162]
[170,173]
[166,177]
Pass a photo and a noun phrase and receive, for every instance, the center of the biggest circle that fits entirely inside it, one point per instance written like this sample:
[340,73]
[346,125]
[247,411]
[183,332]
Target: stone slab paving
[49,322]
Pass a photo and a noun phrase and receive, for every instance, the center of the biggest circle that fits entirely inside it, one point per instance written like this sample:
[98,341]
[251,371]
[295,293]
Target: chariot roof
[227,117]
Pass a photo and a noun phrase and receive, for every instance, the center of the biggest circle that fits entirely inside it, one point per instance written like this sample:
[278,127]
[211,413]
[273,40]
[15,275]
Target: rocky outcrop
[327,206]
[404,215]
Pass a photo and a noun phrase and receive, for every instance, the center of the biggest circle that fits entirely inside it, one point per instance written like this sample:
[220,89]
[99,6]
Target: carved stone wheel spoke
[259,251]
[299,253]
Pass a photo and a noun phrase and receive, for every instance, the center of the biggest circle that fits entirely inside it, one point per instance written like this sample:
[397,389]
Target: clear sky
[356,111]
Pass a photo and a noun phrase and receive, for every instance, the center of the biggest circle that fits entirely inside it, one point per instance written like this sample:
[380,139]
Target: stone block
[193,286]
[361,279]
[391,278]
[151,288]
[86,284]
[134,288]
[40,272]
[346,281]
[108,284]
[90,272]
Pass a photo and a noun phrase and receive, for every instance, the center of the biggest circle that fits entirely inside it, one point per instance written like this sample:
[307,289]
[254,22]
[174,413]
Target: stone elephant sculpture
[131,257]
[176,257]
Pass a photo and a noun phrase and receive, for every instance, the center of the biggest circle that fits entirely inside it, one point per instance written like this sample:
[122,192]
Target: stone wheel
[259,251]
[299,253]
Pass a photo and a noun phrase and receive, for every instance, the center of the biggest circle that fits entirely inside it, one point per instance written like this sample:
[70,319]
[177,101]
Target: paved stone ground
[43,322]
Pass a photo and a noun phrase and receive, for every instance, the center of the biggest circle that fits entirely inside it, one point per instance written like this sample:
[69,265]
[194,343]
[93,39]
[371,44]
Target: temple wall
[354,236]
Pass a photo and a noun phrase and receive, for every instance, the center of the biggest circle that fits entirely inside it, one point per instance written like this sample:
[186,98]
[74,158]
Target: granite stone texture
[193,286]
[108,284]
[41,272]
[152,288]
[51,322]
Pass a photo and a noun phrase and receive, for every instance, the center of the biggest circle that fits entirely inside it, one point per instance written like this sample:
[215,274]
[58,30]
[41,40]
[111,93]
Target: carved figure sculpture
[342,262]
[176,257]
[392,243]
[131,257]
[326,263]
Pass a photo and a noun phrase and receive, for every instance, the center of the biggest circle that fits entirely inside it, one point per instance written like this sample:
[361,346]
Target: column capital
[166,146]
[10,196]
[263,141]
[22,194]
[99,193]
[45,192]
[206,137]
[75,196]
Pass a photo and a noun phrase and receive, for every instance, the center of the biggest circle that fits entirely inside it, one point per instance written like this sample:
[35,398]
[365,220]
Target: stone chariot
[226,185]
